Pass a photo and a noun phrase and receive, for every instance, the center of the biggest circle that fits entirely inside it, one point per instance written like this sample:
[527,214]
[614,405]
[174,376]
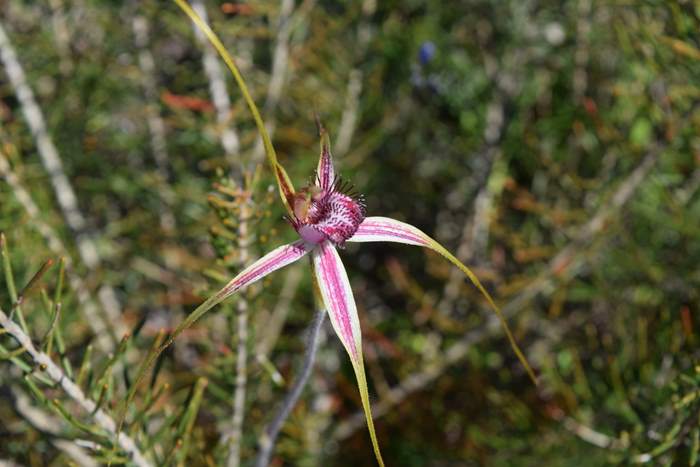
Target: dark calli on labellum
[327,212]
[327,209]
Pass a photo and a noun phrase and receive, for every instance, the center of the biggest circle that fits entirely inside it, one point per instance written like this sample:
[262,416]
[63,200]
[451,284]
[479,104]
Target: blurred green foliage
[554,145]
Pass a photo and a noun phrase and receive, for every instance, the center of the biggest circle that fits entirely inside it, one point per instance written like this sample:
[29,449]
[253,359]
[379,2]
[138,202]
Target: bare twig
[269,333]
[348,120]
[156,126]
[234,457]
[65,195]
[230,143]
[566,263]
[269,437]
[590,435]
[217,89]
[50,425]
[55,374]
[280,56]
[87,304]
[278,75]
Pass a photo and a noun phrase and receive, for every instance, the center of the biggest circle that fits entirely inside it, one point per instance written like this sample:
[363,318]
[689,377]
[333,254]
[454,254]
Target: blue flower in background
[426,52]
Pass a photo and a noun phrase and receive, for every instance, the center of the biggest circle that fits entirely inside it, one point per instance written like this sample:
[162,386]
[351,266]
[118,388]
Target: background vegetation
[552,144]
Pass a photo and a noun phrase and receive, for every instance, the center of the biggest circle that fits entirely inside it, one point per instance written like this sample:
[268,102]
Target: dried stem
[217,89]
[348,120]
[230,143]
[156,125]
[50,425]
[269,437]
[65,195]
[270,331]
[234,456]
[72,390]
[278,75]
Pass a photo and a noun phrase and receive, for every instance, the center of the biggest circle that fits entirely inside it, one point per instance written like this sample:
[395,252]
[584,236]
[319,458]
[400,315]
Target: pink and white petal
[385,229]
[334,287]
[325,172]
[274,260]
[337,297]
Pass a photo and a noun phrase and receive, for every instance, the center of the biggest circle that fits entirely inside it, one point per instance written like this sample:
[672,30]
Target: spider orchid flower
[325,215]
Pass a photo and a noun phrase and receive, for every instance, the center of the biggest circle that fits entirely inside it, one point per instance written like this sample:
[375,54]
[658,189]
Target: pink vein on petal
[274,260]
[325,170]
[378,229]
[334,289]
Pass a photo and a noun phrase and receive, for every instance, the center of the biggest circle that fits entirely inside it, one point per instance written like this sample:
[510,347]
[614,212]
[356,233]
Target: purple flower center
[326,214]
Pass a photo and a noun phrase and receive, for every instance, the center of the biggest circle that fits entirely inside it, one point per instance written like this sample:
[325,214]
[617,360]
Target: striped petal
[336,293]
[325,172]
[385,229]
[274,260]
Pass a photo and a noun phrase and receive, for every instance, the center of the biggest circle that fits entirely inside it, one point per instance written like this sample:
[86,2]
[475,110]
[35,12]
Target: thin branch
[65,195]
[230,143]
[278,75]
[590,435]
[239,394]
[566,263]
[270,331]
[280,56]
[269,437]
[72,390]
[348,120]
[87,304]
[217,89]
[156,126]
[51,426]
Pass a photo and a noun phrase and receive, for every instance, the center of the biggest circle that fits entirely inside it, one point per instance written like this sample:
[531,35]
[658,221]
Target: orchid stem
[269,437]
[239,394]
